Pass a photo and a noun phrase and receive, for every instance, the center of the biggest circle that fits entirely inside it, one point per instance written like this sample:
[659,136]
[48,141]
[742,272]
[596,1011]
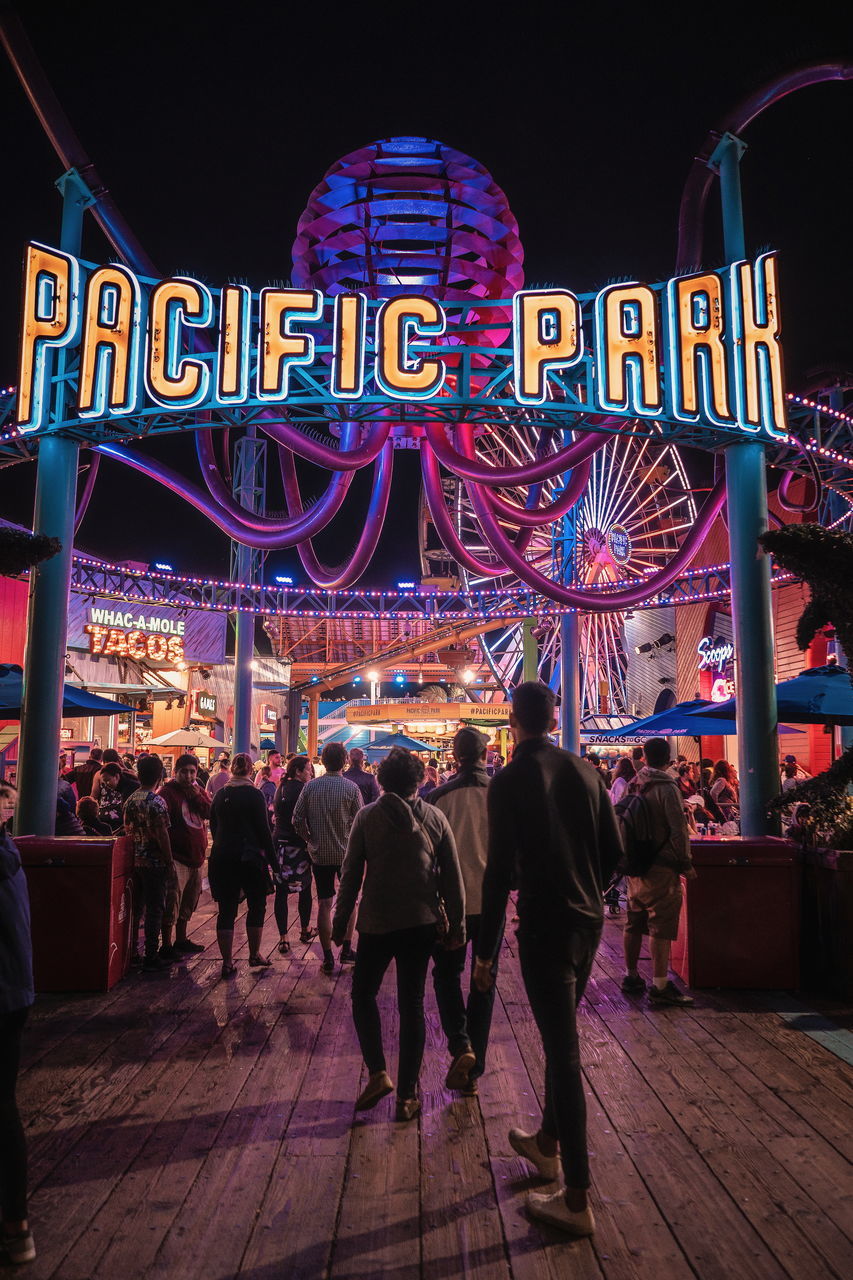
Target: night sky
[211,125]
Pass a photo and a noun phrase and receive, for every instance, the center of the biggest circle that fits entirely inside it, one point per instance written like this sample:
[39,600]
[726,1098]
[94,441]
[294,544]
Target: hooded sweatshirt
[392,847]
[666,804]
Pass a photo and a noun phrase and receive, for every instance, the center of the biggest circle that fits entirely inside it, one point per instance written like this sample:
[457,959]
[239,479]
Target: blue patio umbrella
[693,719]
[75,701]
[819,695]
[381,745]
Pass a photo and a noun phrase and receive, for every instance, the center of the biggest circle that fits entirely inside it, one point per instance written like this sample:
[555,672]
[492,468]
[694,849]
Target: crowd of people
[421,861]
[709,789]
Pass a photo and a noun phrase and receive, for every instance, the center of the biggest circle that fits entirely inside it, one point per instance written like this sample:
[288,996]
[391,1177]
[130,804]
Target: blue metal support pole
[47,617]
[249,489]
[752,608]
[570,685]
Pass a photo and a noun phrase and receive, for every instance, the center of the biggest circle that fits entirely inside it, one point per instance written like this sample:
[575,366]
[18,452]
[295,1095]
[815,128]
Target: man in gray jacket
[465,1023]
[654,899]
[404,852]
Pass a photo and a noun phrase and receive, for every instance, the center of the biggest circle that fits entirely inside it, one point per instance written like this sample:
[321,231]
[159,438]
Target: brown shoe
[377,1087]
[460,1069]
[407,1108]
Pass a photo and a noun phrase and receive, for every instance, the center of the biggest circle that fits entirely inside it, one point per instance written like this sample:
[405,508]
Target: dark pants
[280,905]
[555,972]
[13,1147]
[411,949]
[465,1024]
[154,882]
[229,878]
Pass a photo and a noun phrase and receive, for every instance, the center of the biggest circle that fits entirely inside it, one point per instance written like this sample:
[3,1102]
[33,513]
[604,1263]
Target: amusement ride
[542,521]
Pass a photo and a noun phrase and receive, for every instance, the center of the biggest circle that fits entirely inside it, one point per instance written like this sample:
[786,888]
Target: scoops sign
[717,656]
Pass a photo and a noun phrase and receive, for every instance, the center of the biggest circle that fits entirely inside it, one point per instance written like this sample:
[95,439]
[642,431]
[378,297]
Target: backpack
[636,823]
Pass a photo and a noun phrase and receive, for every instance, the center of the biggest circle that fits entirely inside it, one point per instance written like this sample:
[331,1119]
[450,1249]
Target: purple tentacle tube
[330,502]
[481,472]
[691,214]
[273,533]
[346,574]
[444,525]
[324,456]
[595,602]
[88,490]
[536,516]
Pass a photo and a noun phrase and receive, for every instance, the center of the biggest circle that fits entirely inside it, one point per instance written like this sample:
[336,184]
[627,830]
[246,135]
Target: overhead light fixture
[661,643]
[280,577]
[405,586]
[161,564]
[373,677]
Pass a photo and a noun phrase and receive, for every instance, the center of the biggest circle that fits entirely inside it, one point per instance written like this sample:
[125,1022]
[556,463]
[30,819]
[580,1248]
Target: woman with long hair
[404,851]
[724,791]
[293,864]
[623,775]
[241,860]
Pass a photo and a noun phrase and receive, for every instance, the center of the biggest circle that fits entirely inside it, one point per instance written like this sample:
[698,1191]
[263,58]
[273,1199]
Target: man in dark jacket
[466,1024]
[366,782]
[553,834]
[82,777]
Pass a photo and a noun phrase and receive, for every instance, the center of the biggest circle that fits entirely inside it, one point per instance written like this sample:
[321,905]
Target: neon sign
[619,544]
[117,642]
[702,348]
[714,655]
[717,655]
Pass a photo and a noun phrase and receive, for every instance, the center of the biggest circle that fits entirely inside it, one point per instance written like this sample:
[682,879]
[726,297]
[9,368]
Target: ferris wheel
[634,513]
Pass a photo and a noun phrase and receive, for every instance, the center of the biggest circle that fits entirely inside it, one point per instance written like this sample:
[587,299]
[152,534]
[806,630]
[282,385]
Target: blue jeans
[466,1024]
[555,971]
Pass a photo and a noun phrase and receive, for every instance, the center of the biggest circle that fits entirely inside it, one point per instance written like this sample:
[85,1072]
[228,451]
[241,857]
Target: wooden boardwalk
[181,1126]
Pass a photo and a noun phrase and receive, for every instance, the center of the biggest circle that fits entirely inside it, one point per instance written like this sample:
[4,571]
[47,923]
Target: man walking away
[466,1025]
[366,783]
[146,821]
[323,816]
[189,806]
[654,896]
[552,833]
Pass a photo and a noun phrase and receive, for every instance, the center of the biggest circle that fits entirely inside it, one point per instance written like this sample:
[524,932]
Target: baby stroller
[612,894]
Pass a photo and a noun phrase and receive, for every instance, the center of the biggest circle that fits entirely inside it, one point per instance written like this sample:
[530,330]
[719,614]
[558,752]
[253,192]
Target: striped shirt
[323,816]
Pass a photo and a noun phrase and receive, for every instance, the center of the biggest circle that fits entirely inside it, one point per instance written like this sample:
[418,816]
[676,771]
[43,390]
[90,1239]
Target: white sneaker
[554,1210]
[20,1248]
[526,1145]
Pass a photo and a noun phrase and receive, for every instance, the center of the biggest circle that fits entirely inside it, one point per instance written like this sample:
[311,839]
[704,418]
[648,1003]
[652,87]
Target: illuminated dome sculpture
[409,215]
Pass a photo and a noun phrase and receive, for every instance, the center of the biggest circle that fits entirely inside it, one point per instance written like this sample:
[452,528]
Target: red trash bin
[81,901]
[740,924]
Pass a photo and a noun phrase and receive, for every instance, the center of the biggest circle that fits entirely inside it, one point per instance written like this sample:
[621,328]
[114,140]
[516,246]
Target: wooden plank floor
[180,1126]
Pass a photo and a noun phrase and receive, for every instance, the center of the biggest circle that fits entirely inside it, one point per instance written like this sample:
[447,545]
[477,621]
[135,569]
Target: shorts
[324,878]
[182,893]
[654,903]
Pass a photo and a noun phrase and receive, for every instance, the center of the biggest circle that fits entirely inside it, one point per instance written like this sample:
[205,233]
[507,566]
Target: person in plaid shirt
[323,816]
